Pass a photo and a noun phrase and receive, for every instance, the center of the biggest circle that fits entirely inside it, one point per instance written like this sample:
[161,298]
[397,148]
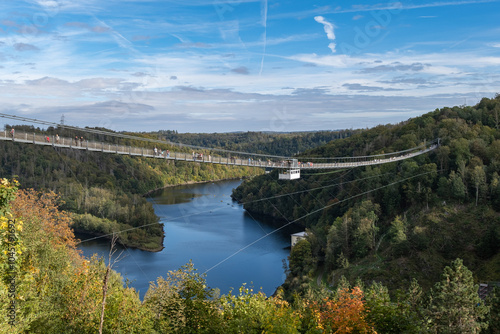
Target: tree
[443,188]
[457,187]
[398,230]
[8,191]
[347,313]
[61,291]
[365,216]
[17,296]
[105,283]
[443,155]
[339,238]
[493,301]
[455,304]
[393,317]
[365,234]
[249,312]
[479,179]
[460,149]
[182,303]
[300,257]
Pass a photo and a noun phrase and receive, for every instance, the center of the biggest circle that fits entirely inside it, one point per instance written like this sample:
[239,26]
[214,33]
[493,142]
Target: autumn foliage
[42,209]
[59,291]
[344,314]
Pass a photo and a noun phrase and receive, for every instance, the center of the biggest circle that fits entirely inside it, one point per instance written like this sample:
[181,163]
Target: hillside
[394,222]
[273,143]
[375,228]
[105,192]
[46,286]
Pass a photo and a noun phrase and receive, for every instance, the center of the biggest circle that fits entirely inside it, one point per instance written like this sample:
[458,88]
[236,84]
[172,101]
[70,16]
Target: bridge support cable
[310,213]
[231,160]
[125,136]
[276,162]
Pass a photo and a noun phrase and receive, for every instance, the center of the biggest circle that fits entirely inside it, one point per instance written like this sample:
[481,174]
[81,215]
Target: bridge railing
[84,144]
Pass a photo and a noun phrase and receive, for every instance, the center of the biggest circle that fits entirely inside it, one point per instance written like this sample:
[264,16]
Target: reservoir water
[203,224]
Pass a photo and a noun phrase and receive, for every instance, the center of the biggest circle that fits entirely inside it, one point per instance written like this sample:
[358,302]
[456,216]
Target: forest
[106,193]
[400,221]
[394,248]
[271,143]
[48,287]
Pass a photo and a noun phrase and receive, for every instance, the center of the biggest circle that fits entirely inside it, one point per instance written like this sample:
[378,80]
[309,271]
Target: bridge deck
[339,163]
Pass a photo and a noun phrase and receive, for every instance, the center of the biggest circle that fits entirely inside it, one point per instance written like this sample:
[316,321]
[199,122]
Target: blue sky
[244,65]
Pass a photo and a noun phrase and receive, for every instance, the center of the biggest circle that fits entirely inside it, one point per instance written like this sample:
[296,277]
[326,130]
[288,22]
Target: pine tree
[455,304]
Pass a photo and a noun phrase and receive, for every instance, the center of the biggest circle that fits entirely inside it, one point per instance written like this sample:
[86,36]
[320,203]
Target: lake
[203,224]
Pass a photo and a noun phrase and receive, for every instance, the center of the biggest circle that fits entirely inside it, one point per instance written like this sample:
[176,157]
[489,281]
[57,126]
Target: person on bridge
[57,139]
[12,133]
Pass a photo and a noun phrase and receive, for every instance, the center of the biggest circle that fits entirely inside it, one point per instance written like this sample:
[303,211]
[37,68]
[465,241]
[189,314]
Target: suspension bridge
[290,164]
[290,167]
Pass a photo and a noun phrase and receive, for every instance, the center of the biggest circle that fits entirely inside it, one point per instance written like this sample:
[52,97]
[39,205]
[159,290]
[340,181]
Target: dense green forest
[273,143]
[399,221]
[47,287]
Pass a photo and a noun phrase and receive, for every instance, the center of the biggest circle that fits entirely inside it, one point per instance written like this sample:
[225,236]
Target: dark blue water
[204,225]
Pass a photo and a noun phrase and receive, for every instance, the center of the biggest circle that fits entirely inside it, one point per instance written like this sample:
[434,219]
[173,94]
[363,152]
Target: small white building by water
[296,237]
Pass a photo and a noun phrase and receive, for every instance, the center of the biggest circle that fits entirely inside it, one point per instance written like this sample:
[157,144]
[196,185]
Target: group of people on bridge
[77,140]
[199,156]
[165,153]
[196,156]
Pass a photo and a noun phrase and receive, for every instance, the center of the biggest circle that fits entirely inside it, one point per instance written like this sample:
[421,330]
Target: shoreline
[171,186]
[95,236]
[189,183]
[161,247]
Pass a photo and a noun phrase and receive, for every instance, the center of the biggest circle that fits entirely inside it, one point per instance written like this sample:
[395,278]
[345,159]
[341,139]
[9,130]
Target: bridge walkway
[94,146]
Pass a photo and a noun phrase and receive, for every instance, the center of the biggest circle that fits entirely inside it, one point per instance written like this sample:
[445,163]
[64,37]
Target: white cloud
[199,110]
[330,34]
[106,64]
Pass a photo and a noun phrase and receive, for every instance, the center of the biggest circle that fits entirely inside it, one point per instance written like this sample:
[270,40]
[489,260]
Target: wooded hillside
[106,191]
[394,222]
[394,248]
[47,287]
